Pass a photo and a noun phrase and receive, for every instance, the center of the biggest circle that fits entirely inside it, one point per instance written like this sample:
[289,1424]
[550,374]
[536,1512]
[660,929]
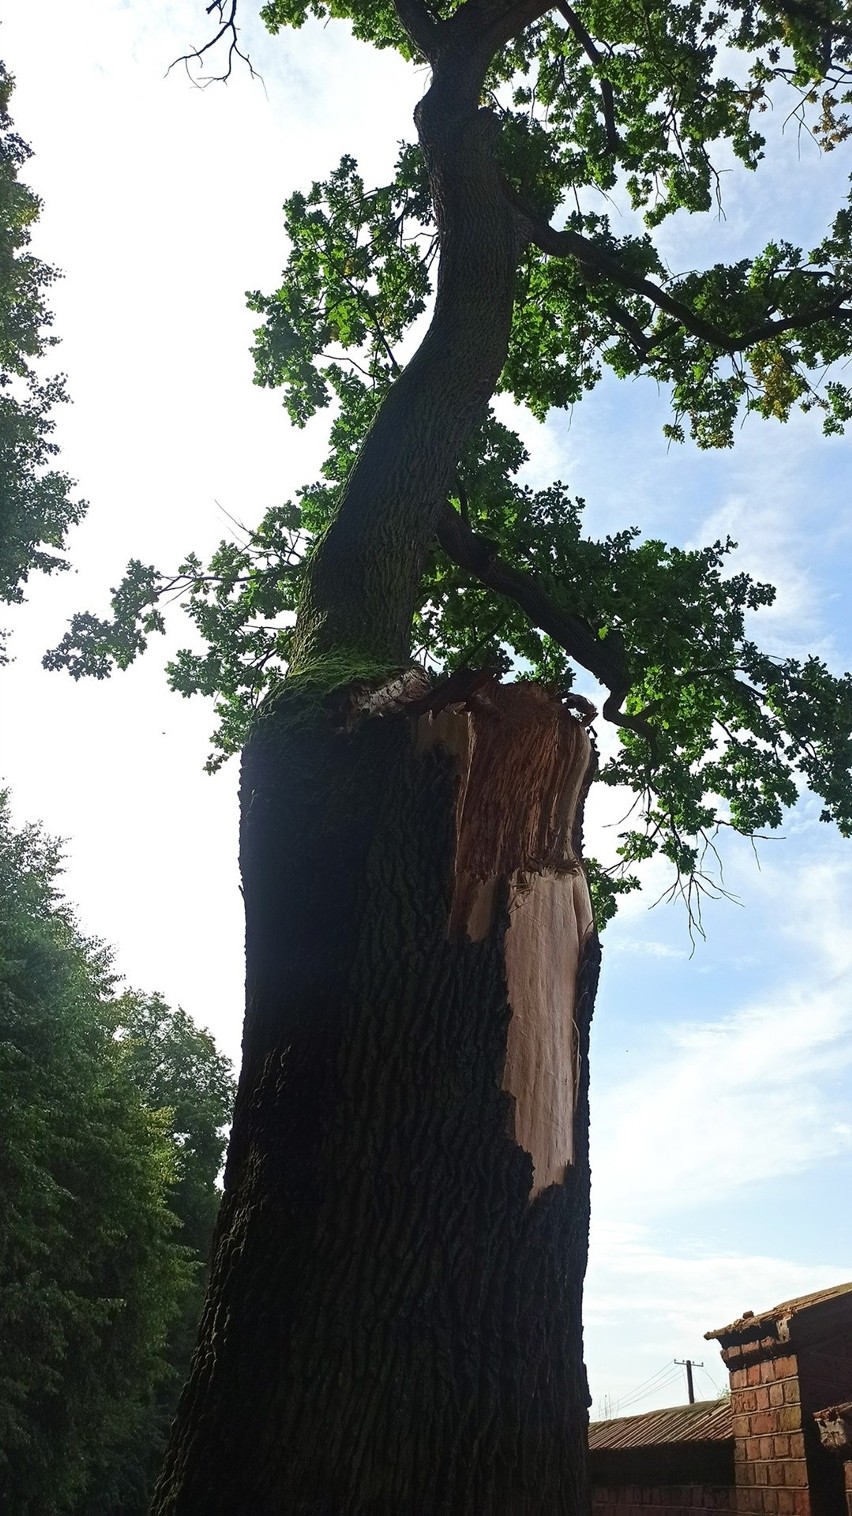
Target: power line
[711,1379]
[651,1389]
[659,1381]
[649,1382]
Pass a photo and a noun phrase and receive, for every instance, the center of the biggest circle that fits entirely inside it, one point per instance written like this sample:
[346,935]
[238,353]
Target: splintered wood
[524,762]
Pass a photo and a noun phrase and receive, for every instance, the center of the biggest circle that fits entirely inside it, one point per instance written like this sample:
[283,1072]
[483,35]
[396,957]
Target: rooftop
[785,1311]
[706,1421]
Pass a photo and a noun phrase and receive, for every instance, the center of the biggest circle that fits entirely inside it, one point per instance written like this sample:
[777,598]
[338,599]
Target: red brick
[767,1371]
[738,1379]
[796,1473]
[797,1445]
[776,1473]
[753,1374]
[761,1423]
[792,1395]
[745,1400]
[746,1475]
[776,1393]
[761,1398]
[782,1445]
[786,1502]
[789,1418]
[785,1366]
[766,1447]
[761,1473]
[753,1448]
[740,1425]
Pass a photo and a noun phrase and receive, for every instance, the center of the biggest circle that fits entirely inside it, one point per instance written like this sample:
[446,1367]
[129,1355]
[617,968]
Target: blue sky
[721,1081]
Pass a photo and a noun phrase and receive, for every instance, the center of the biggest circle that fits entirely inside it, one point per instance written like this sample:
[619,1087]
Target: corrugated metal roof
[706,1421]
[787,1308]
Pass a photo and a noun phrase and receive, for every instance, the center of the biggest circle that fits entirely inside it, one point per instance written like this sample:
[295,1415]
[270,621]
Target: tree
[401,1246]
[185,1082]
[36,504]
[91,1270]
[113,1110]
[176,1067]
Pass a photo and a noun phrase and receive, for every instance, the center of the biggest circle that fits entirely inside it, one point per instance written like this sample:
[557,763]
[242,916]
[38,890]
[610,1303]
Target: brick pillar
[770,1468]
[835,1431]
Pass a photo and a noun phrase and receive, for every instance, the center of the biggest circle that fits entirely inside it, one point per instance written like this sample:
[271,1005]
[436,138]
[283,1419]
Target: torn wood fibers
[524,768]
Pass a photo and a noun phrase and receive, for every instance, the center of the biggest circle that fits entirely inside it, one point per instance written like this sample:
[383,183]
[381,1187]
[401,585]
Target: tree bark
[363,580]
[394,1318]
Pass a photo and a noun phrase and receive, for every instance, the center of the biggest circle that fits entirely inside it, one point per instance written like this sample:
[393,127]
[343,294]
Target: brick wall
[770,1466]
[671,1499]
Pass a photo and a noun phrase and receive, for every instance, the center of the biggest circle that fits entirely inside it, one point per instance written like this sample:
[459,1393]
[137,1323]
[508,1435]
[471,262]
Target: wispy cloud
[760,1091]
[647,1304]
[646,948]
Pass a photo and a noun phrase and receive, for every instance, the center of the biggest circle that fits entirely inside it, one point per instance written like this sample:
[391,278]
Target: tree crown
[645,101]
[36,504]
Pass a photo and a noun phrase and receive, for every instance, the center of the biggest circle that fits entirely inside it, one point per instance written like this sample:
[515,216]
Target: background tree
[108,1165]
[402,1242]
[177,1072]
[37,507]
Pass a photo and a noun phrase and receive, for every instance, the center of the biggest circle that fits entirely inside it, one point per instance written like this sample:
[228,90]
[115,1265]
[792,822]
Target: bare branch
[226,12]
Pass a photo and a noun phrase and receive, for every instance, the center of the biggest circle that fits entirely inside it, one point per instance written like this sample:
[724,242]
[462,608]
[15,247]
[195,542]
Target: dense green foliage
[36,504]
[642,101]
[113,1111]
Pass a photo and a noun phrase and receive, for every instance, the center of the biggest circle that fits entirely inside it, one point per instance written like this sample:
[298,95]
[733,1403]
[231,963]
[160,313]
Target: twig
[228,28]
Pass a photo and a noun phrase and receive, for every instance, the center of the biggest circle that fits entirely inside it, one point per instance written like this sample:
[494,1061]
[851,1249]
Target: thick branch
[568,243]
[593,53]
[490,24]
[603,657]
[418,24]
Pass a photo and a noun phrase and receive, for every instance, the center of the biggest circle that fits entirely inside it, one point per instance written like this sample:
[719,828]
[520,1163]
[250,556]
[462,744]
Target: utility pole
[689,1364]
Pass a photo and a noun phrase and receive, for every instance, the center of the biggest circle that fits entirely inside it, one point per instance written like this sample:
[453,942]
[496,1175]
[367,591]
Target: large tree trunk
[393,1324]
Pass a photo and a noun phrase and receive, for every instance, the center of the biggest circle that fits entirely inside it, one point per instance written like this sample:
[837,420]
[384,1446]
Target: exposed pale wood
[550,923]
[523,766]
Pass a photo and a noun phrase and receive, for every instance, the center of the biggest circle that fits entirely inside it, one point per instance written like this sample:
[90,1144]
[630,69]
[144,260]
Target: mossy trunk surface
[394,1317]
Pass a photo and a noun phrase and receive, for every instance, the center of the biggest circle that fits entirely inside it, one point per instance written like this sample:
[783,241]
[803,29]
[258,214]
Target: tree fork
[393,1323]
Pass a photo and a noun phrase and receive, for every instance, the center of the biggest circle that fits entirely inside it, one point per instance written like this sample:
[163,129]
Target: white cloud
[644,947]
[759,1091]
[647,1303]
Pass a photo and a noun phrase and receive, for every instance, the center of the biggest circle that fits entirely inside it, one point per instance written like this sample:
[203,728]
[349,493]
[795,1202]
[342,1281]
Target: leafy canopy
[36,504]
[643,102]
[113,1110]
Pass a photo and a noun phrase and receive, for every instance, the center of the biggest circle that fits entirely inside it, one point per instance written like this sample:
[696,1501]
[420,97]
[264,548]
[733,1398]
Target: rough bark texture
[364,577]
[393,1324]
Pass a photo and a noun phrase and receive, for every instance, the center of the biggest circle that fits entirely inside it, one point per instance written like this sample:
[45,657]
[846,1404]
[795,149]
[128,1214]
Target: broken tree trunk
[393,1323]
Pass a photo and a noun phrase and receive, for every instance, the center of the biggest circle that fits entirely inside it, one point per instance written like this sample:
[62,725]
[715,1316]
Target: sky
[721,1077]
